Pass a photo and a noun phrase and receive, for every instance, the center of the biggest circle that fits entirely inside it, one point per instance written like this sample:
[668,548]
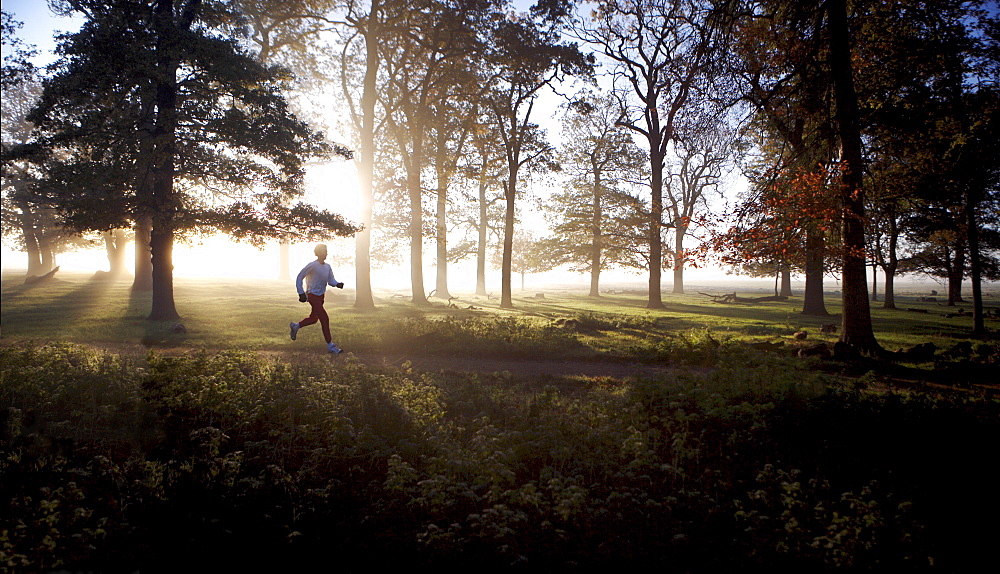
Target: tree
[529,255]
[701,157]
[365,28]
[283,30]
[171,122]
[971,164]
[931,138]
[900,65]
[885,215]
[29,220]
[600,159]
[483,169]
[17,67]
[661,54]
[21,207]
[804,65]
[876,86]
[115,241]
[525,56]
[780,69]
[775,227]
[856,323]
[452,125]
[20,90]
[426,61]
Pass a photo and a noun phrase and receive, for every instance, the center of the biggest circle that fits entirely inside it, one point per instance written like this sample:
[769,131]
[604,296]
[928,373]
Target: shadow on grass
[94,309]
[922,326]
[57,306]
[152,333]
[683,315]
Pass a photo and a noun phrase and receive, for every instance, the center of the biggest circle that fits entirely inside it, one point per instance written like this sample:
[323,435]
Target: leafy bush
[610,322]
[115,465]
[492,336]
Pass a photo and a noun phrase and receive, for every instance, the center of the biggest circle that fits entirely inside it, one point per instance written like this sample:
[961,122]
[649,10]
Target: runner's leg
[324,321]
[316,310]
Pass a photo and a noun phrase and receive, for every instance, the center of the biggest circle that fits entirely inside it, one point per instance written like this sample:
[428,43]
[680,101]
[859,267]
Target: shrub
[113,465]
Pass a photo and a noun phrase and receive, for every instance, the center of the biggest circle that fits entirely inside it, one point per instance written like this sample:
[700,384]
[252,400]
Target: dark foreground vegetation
[232,461]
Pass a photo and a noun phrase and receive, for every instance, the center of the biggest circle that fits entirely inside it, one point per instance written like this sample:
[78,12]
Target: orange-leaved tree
[783,224]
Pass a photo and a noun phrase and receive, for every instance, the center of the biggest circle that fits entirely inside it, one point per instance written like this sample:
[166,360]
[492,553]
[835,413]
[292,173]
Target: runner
[320,275]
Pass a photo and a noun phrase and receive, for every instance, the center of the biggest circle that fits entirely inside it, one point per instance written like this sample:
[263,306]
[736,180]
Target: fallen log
[733,298]
[32,279]
[727,298]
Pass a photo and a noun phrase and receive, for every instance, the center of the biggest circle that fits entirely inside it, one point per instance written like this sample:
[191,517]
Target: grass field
[128,447]
[255,315]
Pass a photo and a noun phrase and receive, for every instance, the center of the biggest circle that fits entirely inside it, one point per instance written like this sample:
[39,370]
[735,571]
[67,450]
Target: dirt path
[432,363]
[554,368]
[912,378]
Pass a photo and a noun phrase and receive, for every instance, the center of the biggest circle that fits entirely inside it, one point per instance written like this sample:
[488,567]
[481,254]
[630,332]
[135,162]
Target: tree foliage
[593,216]
[526,55]
[662,56]
[152,113]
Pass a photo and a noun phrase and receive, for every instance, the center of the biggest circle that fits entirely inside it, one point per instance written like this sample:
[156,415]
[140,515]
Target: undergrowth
[247,463]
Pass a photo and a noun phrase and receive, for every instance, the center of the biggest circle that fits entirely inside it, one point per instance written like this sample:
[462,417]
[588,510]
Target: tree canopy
[150,112]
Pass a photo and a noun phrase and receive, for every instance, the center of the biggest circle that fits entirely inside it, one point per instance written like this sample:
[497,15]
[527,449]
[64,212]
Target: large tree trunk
[483,234]
[857,321]
[956,273]
[48,254]
[890,267]
[655,220]
[595,281]
[975,266]
[161,237]
[143,280]
[596,238]
[162,246]
[679,258]
[410,142]
[506,297]
[163,202]
[416,229]
[27,221]
[786,281]
[363,297]
[441,232]
[890,297]
[812,299]
[114,245]
[874,282]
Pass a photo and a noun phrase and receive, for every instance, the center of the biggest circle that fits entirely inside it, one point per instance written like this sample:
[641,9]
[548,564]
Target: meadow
[255,315]
[128,446]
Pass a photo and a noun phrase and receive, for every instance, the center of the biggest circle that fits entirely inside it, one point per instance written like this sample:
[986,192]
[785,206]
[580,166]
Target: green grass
[255,314]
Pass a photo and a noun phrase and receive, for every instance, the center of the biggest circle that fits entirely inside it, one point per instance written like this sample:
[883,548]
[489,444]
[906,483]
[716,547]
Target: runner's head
[320,251]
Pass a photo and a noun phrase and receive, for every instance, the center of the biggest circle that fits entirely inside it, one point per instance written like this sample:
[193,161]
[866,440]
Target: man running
[320,275]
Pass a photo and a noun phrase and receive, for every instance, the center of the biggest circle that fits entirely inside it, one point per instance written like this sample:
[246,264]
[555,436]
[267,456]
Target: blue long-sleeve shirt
[320,275]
